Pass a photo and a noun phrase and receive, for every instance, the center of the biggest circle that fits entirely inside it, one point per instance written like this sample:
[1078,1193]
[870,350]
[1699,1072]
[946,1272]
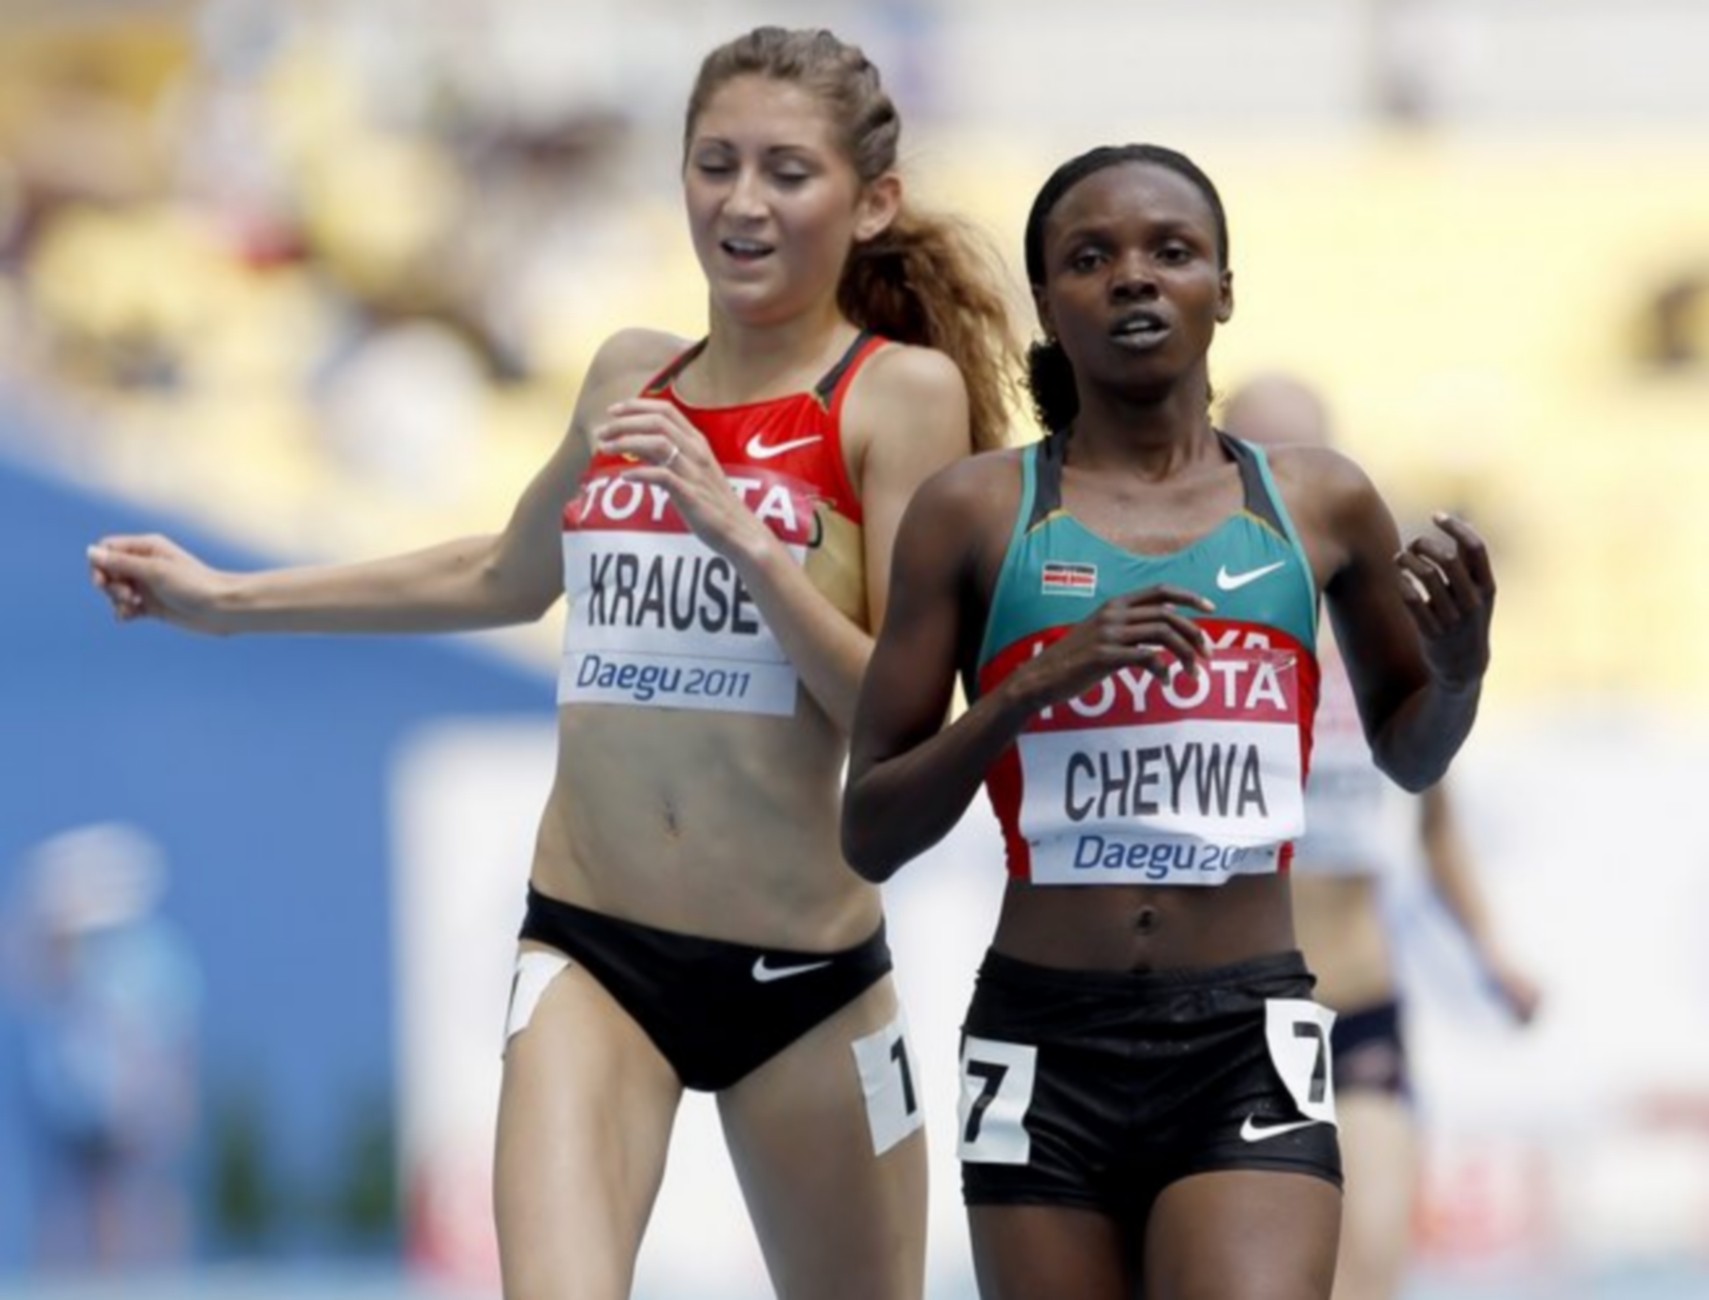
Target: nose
[745,197]
[1132,276]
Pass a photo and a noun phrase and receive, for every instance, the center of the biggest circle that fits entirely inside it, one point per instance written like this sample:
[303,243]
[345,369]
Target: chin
[750,305]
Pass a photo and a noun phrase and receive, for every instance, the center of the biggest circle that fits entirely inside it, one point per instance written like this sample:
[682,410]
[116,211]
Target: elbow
[509,602]
[1414,773]
[1413,783]
[865,858]
[531,608]
[862,850]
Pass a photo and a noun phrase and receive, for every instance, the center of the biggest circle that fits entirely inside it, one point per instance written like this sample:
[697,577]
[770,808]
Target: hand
[671,453]
[1516,990]
[1139,629]
[1450,593]
[154,577]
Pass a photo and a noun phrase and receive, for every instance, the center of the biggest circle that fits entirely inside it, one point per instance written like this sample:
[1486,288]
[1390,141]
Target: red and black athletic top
[656,617]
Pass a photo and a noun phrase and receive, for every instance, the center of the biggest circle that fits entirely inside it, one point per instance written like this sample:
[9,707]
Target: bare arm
[1450,871]
[472,582]
[1413,622]
[908,409]
[911,778]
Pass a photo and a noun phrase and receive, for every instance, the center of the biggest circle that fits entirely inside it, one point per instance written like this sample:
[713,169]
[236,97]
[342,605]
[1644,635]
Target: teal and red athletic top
[1184,781]
[657,618]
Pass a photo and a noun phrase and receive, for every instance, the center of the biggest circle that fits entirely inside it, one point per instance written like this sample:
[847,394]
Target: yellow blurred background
[335,319]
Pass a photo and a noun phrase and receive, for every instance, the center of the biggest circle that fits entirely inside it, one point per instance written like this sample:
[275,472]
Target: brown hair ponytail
[932,280]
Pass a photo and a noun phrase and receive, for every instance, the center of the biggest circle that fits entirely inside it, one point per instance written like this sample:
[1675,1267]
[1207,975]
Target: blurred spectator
[108,996]
[1675,326]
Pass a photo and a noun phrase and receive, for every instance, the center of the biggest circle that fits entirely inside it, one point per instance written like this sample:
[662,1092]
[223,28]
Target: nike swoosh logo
[758,449]
[1226,581]
[1253,1131]
[766,974]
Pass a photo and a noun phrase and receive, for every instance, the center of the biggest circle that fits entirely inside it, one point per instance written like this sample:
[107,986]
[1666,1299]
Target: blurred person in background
[1361,831]
[1132,604]
[722,514]
[108,994]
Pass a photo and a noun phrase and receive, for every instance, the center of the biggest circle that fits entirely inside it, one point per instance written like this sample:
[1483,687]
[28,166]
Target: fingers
[121,567]
[647,450]
[1429,579]
[1184,639]
[1443,584]
[133,556]
[647,430]
[1417,601]
[1472,549]
[145,545]
[1166,594]
[125,597]
[1144,628]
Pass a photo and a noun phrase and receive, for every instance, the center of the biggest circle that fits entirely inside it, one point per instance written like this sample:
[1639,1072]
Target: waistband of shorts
[1000,968]
[544,906]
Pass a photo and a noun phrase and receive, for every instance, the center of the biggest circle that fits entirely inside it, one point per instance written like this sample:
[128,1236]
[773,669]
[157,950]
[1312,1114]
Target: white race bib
[656,617]
[1184,781]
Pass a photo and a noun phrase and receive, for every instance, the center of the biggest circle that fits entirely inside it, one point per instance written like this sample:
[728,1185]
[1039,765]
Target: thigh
[1380,1162]
[1049,1252]
[826,1144]
[584,1121]
[1243,1234]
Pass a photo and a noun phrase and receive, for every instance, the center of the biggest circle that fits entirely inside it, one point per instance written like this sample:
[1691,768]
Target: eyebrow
[1161,226]
[770,150]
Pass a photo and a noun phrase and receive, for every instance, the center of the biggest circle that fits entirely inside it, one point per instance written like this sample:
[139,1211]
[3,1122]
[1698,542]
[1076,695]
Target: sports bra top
[1182,781]
[656,617]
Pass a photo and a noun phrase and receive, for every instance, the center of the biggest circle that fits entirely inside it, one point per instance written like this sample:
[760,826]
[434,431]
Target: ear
[1225,298]
[879,204]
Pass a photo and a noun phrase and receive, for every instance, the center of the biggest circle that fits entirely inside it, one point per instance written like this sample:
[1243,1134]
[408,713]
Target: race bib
[1183,781]
[656,618]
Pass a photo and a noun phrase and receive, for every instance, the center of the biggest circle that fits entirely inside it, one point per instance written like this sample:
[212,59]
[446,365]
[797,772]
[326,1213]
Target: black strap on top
[662,380]
[827,387]
[823,390]
[1048,457]
[1052,452]
[1258,500]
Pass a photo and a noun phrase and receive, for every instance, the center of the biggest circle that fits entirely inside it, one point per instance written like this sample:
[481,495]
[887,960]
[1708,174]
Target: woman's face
[1133,285]
[773,202]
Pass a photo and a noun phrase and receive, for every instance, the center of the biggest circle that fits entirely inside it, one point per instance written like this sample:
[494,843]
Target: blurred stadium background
[318,280]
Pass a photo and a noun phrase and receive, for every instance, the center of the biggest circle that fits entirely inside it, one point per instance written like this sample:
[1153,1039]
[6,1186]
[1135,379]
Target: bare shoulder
[908,389]
[975,490]
[909,371]
[1341,517]
[1320,483]
[621,368]
[631,357]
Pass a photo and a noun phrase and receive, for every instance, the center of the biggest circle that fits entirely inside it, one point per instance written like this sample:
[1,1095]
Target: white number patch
[535,969]
[890,1084]
[1298,1033]
[996,1092]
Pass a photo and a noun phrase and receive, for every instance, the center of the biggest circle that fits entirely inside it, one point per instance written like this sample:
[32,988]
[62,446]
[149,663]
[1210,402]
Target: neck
[745,362]
[1154,433]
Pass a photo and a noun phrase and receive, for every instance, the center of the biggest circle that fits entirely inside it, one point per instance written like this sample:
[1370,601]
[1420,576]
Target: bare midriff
[1145,927]
[715,824]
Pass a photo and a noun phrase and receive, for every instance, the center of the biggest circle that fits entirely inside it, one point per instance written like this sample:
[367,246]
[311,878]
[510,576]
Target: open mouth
[1139,329]
[746,250]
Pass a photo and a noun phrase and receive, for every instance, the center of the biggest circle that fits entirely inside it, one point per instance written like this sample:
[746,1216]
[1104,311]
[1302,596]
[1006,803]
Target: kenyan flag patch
[1063,579]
